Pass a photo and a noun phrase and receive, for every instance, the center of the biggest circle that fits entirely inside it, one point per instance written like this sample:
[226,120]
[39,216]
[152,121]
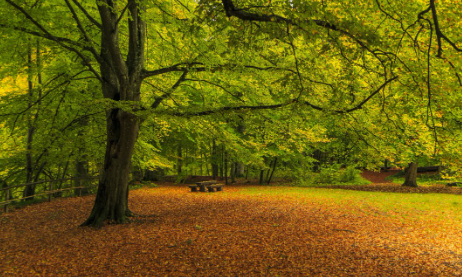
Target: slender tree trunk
[179,159]
[411,175]
[214,160]
[5,185]
[232,173]
[225,162]
[239,167]
[269,170]
[30,190]
[81,168]
[222,160]
[274,168]
[200,169]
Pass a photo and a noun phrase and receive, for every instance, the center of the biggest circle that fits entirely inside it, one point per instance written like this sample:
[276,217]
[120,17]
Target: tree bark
[411,175]
[121,81]
[214,160]
[179,159]
[262,175]
[30,190]
[111,202]
[272,172]
[232,173]
[225,165]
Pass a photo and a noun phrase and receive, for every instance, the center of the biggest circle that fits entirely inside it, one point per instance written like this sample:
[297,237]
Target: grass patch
[428,206]
[142,184]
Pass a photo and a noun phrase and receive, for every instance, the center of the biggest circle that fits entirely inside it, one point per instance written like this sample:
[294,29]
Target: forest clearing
[285,103]
[247,230]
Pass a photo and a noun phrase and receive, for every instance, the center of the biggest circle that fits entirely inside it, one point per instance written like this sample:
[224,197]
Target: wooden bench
[211,186]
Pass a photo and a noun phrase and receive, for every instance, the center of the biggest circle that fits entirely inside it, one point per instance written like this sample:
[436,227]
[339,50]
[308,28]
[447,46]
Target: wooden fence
[50,190]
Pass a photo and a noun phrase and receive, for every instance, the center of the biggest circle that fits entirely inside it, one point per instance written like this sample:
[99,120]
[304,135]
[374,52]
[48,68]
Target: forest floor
[246,230]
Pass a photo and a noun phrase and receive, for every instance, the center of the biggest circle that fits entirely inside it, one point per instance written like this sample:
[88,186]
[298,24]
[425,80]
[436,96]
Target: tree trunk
[262,175]
[222,164]
[411,175]
[225,164]
[274,168]
[240,169]
[214,160]
[111,201]
[30,190]
[121,78]
[81,164]
[179,159]
[232,173]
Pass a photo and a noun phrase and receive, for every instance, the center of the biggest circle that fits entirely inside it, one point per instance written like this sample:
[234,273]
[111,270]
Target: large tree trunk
[411,176]
[121,81]
[111,201]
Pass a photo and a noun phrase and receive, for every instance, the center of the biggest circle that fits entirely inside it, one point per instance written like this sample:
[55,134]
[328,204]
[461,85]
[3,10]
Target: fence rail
[50,189]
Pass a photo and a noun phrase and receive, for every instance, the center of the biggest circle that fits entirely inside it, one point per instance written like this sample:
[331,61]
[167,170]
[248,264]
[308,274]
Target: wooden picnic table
[210,186]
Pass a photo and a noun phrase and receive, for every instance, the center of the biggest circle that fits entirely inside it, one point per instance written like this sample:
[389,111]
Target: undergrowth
[333,175]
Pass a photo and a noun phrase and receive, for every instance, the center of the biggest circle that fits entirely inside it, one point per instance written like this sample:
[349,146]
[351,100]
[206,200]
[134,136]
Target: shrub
[350,175]
[328,175]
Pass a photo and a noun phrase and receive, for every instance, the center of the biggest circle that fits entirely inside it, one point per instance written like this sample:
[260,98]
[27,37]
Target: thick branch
[439,34]
[174,68]
[189,66]
[241,14]
[359,106]
[236,108]
[171,90]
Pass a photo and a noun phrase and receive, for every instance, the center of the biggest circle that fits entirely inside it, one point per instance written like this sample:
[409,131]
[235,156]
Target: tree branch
[87,14]
[58,40]
[174,68]
[359,106]
[231,11]
[82,30]
[170,91]
[236,108]
[439,34]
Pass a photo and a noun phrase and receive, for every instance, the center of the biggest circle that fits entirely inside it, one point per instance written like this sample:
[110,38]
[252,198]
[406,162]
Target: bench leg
[193,189]
[211,189]
[202,188]
[220,188]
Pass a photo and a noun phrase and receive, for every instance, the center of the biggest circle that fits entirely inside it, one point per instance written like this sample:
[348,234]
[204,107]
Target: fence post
[7,197]
[50,188]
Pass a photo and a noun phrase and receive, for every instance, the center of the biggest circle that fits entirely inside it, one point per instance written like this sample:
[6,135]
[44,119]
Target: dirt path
[378,177]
